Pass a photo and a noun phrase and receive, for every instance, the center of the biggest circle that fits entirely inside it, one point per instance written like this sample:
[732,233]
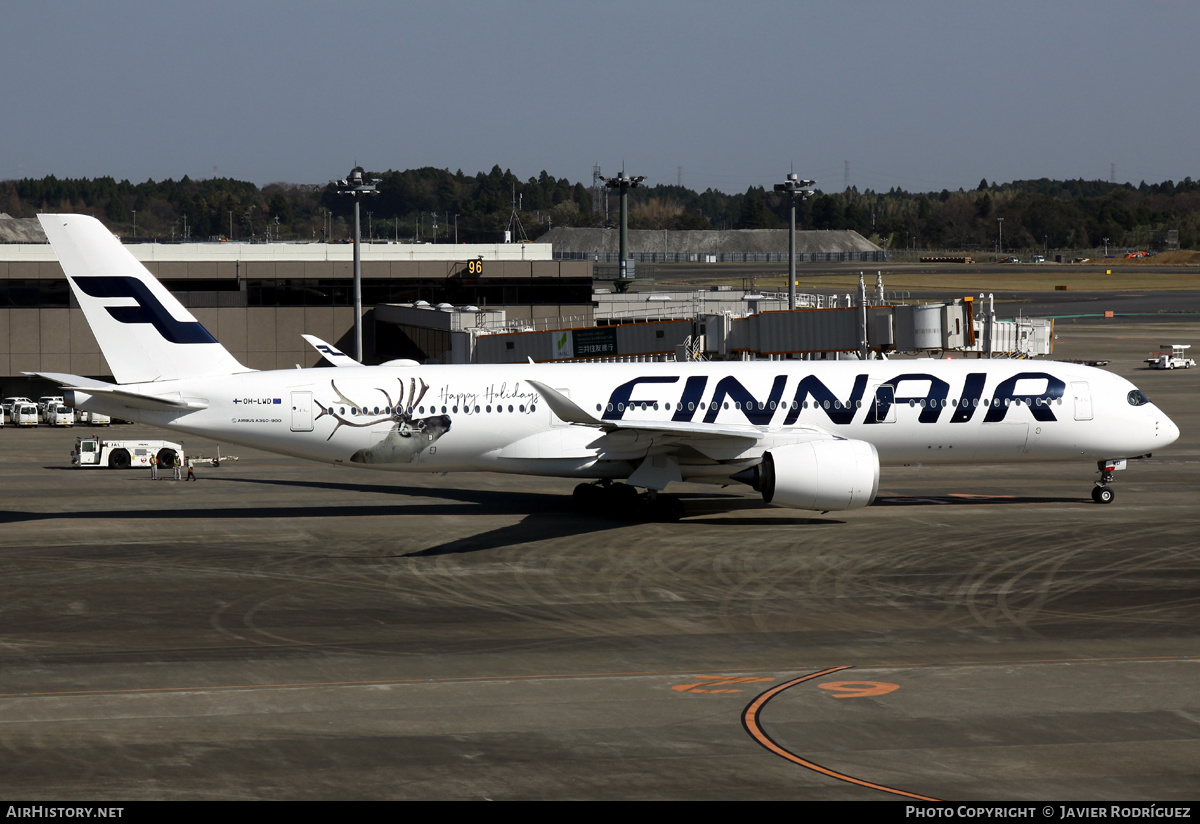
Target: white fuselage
[481,417]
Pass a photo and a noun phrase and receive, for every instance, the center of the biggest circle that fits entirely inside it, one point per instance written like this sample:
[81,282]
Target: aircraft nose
[1168,431]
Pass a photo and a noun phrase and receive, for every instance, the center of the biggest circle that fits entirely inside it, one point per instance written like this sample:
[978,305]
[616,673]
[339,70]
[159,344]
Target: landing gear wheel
[667,509]
[1102,495]
[623,495]
[588,496]
[623,502]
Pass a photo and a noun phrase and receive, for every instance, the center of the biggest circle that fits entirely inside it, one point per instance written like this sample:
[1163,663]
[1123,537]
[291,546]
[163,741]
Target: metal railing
[728,257]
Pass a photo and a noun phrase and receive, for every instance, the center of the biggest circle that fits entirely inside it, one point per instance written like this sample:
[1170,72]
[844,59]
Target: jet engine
[823,475]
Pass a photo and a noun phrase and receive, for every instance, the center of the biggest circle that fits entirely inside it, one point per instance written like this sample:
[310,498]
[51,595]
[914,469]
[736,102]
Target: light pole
[794,188]
[356,188]
[1000,220]
[624,183]
[135,223]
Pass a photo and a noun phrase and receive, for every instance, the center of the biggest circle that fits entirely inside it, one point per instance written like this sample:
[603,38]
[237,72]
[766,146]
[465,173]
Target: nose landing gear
[1101,493]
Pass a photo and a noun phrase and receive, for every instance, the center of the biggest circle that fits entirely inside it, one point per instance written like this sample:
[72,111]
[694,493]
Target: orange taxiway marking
[717,680]
[750,720]
[859,689]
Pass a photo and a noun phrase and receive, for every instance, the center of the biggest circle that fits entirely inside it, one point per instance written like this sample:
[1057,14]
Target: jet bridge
[726,326]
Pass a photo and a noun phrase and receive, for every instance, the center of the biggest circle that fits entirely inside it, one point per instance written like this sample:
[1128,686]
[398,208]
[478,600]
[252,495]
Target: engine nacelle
[824,475]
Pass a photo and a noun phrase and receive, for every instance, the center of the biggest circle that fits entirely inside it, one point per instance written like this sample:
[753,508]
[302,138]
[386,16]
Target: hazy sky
[919,94]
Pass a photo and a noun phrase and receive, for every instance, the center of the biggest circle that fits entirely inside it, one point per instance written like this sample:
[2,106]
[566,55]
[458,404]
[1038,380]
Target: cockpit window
[1136,398]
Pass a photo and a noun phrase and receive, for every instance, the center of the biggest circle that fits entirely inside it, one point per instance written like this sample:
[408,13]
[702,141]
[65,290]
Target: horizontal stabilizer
[121,394]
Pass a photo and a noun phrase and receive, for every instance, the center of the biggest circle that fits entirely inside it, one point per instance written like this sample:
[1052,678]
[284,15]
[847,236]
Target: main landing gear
[623,501]
[1101,493]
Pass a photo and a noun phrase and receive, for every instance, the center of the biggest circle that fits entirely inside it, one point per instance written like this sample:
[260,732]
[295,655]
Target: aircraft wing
[657,445]
[330,352]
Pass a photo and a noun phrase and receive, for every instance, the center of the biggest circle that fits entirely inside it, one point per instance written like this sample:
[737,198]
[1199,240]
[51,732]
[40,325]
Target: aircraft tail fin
[144,332]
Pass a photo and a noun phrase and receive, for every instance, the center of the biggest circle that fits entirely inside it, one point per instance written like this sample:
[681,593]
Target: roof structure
[20,230]
[707,241]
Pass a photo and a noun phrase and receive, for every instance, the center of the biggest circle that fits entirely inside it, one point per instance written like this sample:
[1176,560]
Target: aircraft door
[885,403]
[302,418]
[1082,398]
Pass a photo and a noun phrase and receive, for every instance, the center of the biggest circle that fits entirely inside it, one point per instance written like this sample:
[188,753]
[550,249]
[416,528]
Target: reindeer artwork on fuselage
[407,438]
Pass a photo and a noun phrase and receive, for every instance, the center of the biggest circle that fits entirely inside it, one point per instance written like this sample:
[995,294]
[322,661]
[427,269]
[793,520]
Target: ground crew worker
[178,468]
[154,467]
[191,469]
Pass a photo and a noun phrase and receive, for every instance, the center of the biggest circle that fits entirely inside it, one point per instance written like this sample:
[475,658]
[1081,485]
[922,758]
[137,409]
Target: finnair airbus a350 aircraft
[808,435]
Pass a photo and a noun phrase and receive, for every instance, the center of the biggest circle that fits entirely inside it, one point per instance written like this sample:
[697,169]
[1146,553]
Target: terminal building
[258,298]
[473,303]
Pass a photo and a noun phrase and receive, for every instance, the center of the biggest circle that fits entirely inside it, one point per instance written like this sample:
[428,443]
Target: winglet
[563,406]
[330,352]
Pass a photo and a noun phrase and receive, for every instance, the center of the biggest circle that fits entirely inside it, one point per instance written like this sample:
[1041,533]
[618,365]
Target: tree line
[430,204]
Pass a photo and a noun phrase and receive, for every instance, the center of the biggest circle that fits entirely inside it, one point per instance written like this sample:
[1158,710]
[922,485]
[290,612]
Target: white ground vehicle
[46,403]
[59,415]
[95,418]
[124,454]
[10,402]
[25,414]
[1174,356]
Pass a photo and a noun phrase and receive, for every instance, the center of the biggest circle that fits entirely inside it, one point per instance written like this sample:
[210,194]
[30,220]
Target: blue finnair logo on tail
[148,310]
